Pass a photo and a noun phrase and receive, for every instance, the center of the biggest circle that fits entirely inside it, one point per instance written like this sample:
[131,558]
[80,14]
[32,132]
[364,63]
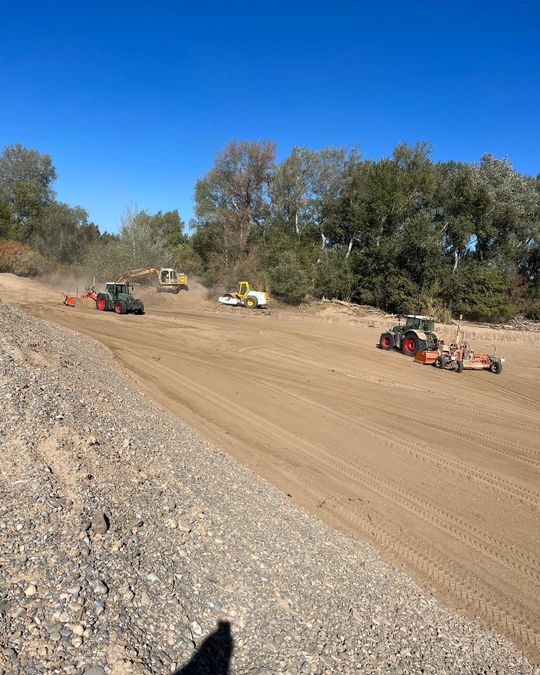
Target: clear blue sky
[134,100]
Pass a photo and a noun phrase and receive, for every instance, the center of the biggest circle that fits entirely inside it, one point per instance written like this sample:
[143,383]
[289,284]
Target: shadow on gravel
[214,654]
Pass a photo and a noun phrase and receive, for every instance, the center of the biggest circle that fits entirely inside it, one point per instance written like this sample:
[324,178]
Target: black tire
[496,367]
[120,307]
[252,303]
[459,366]
[158,289]
[386,341]
[102,302]
[440,362]
[406,345]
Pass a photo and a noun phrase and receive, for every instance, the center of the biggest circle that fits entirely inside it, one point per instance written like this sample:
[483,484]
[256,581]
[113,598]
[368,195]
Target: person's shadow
[214,655]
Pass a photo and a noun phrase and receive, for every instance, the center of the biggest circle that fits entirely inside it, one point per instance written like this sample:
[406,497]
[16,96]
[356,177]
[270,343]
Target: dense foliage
[403,233]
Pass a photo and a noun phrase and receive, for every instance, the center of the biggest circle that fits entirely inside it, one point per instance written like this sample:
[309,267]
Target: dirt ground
[439,471]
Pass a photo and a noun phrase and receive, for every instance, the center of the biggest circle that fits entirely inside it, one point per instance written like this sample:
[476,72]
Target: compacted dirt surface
[439,471]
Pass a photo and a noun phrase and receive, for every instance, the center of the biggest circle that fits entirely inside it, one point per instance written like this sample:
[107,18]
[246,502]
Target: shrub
[334,277]
[21,260]
[288,280]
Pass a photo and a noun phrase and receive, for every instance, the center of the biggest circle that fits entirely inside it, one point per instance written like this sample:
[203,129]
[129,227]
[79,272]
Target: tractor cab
[115,289]
[426,324]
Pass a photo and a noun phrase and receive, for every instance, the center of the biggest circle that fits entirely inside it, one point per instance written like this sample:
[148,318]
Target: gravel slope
[125,538]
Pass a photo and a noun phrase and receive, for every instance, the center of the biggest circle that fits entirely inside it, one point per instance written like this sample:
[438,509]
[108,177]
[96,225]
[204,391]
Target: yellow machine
[245,297]
[168,279]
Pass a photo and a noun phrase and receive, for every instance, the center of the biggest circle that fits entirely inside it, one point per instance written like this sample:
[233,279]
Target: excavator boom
[132,274]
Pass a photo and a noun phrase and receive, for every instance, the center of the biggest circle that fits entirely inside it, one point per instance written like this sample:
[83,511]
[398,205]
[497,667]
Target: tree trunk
[349,249]
[456,261]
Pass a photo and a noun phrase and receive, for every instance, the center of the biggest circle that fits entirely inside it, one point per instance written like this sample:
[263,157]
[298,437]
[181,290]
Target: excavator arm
[133,274]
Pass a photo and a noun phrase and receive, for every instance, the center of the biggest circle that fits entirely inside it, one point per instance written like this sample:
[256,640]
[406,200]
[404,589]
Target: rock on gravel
[95,578]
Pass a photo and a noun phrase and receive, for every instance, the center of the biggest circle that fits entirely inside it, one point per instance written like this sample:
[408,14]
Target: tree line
[404,233]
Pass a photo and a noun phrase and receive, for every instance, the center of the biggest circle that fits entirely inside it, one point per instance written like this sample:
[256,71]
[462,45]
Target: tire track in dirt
[441,402]
[458,528]
[439,457]
[429,564]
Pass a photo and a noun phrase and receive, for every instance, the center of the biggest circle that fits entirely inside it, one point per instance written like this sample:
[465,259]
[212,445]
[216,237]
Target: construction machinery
[168,279]
[245,297]
[459,356]
[416,334]
[118,299]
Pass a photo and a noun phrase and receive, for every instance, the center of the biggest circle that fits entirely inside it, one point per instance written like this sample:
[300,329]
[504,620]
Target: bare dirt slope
[440,471]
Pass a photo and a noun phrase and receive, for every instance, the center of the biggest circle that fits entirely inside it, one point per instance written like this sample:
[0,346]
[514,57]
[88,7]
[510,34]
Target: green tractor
[416,335]
[118,299]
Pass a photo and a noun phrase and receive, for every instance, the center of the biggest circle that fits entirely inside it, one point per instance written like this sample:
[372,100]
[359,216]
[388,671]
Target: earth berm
[129,544]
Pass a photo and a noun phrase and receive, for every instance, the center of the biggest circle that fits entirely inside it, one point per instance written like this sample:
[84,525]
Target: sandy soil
[439,471]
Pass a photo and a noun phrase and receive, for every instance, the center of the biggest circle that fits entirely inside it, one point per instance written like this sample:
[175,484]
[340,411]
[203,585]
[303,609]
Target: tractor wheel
[120,307]
[496,367]
[440,362]
[410,344]
[386,341]
[177,289]
[252,303]
[102,302]
[459,366]
[158,289]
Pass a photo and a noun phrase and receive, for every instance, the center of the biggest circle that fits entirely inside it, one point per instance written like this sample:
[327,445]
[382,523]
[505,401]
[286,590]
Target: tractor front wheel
[120,307]
[496,367]
[102,302]
[386,341]
[459,366]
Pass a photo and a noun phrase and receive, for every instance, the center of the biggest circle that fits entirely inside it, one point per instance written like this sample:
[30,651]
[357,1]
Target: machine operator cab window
[413,323]
[243,289]
[168,276]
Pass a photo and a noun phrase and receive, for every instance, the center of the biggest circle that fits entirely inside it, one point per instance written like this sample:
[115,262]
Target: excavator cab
[168,276]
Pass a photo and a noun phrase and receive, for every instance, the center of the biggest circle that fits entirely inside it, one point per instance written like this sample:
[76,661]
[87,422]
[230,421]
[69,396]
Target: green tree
[232,198]
[288,279]
[26,178]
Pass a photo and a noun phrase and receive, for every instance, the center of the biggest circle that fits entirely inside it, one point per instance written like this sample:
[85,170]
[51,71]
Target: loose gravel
[129,544]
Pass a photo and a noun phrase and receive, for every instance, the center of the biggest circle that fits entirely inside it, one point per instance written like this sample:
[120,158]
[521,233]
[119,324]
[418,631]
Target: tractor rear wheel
[410,345]
[120,307]
[386,341]
[102,302]
[496,367]
[252,303]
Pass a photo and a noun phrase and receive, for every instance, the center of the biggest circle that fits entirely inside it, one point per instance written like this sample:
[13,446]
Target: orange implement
[427,358]
[69,300]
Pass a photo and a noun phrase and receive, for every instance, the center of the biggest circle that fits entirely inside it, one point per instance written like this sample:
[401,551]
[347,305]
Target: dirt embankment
[439,471]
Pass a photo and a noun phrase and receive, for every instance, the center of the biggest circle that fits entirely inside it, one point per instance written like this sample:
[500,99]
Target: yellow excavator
[167,278]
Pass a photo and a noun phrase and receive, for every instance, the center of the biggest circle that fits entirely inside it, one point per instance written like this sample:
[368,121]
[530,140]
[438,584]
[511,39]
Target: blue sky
[134,100]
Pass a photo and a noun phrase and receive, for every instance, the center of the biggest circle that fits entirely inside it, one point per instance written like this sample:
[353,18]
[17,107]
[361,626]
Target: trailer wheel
[459,366]
[496,367]
[386,341]
[440,362]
